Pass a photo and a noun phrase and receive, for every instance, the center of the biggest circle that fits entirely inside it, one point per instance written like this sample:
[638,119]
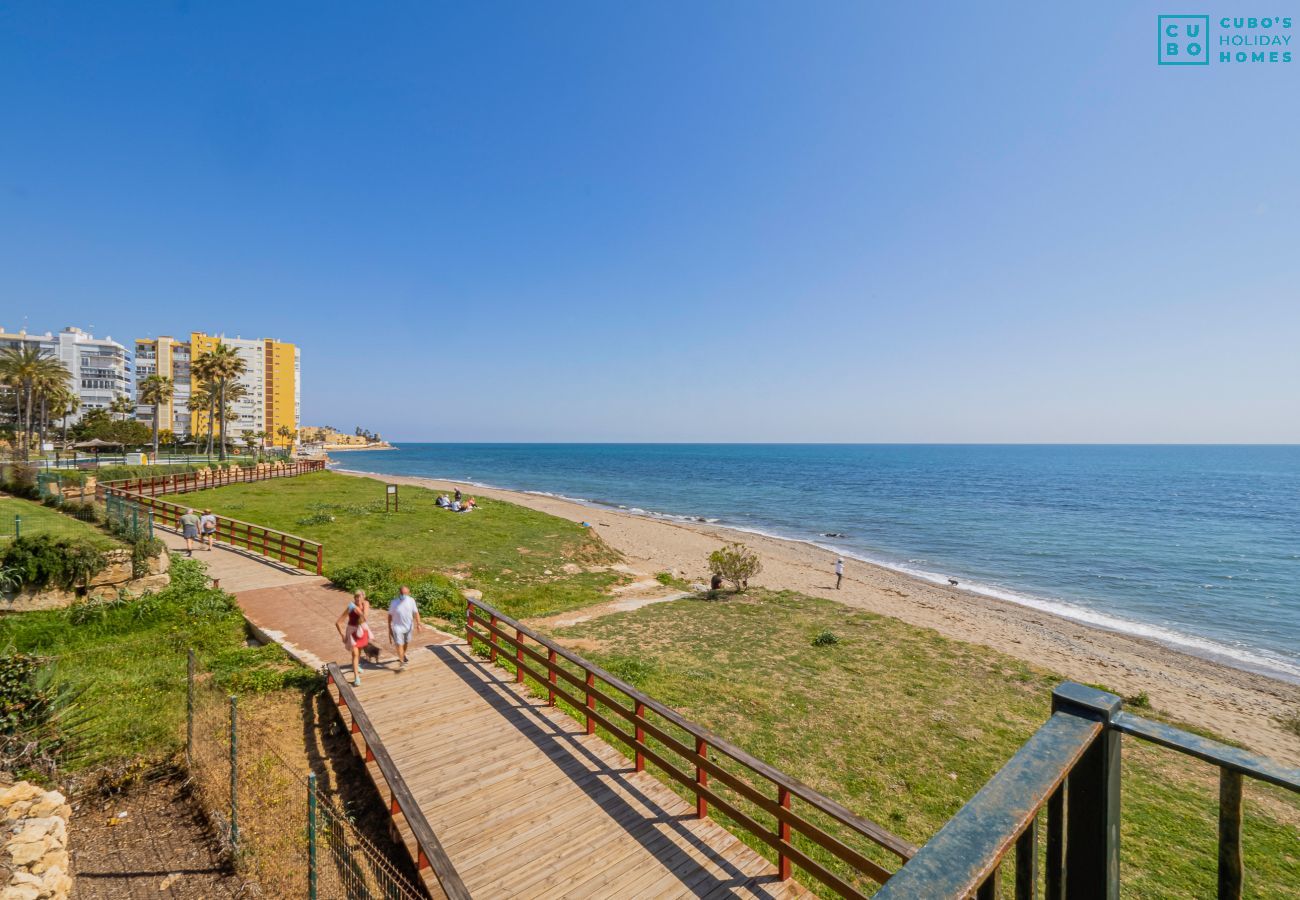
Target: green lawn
[40,519]
[516,556]
[123,665]
[904,726]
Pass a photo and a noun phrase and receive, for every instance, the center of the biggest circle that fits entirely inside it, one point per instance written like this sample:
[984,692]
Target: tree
[287,433]
[64,404]
[205,395]
[156,390]
[32,373]
[736,564]
[122,406]
[99,423]
[224,366]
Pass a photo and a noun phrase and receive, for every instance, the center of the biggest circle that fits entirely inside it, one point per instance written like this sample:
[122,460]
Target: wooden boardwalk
[524,802]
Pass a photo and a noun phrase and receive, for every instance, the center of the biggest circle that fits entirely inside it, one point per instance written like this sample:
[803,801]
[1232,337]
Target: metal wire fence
[273,818]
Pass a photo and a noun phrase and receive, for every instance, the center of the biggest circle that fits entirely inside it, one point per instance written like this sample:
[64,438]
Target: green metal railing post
[189,714]
[18,527]
[234,771]
[311,836]
[1093,797]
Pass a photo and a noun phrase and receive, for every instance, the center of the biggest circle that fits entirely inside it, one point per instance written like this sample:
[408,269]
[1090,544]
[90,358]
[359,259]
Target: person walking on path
[839,572]
[208,528]
[189,530]
[403,621]
[355,631]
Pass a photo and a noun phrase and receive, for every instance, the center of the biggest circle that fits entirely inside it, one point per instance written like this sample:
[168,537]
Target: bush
[31,711]
[826,639]
[437,598]
[20,481]
[377,577]
[736,564]
[44,560]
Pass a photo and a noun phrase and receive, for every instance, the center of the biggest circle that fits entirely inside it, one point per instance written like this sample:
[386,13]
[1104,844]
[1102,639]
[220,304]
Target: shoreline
[1240,704]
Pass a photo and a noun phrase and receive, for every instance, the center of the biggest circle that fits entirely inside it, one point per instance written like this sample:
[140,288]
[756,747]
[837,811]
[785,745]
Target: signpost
[390,498]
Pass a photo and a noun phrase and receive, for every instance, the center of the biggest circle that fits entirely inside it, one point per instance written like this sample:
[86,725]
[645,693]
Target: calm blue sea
[1197,546]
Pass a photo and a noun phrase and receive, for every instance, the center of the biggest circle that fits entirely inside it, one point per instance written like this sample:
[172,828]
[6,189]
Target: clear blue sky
[673,221]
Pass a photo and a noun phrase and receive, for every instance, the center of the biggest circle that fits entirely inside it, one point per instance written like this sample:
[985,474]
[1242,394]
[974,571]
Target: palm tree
[200,400]
[223,366]
[122,406]
[156,390]
[287,433]
[31,372]
[64,404]
[202,369]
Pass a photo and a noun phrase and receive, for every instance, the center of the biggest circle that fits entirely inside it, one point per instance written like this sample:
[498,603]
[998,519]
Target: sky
[672,221]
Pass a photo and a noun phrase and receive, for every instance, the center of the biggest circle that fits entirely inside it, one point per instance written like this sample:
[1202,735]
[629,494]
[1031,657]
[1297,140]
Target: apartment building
[271,383]
[100,367]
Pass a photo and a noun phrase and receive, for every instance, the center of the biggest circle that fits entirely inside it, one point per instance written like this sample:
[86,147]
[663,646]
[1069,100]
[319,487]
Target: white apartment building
[100,367]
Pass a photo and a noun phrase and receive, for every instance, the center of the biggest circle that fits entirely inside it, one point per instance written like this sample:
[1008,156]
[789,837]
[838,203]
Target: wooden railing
[429,851]
[605,700]
[286,548]
[184,482]
[1072,766]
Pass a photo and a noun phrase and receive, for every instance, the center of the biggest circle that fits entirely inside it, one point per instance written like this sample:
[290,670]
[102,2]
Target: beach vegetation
[46,560]
[904,726]
[1140,700]
[826,638]
[525,562]
[735,564]
[124,663]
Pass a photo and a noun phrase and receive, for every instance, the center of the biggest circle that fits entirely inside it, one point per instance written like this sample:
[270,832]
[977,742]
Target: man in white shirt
[839,572]
[403,621]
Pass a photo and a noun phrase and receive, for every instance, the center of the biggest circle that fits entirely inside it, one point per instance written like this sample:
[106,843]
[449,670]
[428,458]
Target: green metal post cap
[1086,701]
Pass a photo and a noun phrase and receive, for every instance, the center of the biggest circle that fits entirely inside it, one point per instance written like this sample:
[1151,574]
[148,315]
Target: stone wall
[35,853]
[116,579]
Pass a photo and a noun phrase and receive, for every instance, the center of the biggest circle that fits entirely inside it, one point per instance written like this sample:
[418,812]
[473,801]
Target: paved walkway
[524,802]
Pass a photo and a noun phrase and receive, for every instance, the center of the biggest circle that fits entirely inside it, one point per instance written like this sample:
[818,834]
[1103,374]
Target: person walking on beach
[355,631]
[208,528]
[189,530]
[403,621]
[839,572]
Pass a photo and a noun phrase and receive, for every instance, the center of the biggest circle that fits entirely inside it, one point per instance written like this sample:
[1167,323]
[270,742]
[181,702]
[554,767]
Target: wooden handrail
[288,548]
[593,701]
[184,482]
[430,850]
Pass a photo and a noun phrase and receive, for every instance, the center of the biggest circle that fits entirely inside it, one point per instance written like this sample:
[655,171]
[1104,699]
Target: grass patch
[125,662]
[40,519]
[903,726]
[526,562]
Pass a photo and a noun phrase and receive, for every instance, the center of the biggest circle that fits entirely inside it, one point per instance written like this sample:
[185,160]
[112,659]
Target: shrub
[438,598]
[44,560]
[20,481]
[1141,700]
[377,577]
[826,639]
[736,564]
[32,708]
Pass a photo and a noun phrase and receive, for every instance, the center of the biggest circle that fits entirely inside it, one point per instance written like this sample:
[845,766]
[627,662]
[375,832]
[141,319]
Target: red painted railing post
[320,559]
[702,779]
[469,623]
[591,703]
[492,640]
[783,829]
[519,656]
[640,737]
[550,677]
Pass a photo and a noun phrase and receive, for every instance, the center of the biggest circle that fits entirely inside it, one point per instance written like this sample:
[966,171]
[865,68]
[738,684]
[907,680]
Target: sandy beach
[1243,706]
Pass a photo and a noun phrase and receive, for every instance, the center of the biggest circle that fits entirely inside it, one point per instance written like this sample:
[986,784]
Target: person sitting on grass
[355,631]
[403,621]
[189,530]
[455,506]
[442,501]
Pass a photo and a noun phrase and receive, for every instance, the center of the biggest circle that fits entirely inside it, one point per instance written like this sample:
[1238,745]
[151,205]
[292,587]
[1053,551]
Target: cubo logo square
[1183,40]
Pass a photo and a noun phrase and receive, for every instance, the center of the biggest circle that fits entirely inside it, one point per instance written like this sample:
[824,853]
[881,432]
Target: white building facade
[100,367]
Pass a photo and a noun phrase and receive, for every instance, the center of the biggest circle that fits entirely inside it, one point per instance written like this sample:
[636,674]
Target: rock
[21,892]
[28,853]
[471,594]
[54,859]
[571,568]
[21,791]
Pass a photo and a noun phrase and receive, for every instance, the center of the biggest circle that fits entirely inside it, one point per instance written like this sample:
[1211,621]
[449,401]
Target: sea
[1197,547]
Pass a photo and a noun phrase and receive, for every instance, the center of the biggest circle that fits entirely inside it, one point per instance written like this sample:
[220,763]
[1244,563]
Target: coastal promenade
[522,800]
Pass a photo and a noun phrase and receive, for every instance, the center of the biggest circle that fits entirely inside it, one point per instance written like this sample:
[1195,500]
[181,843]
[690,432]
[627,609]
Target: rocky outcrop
[116,580]
[35,850]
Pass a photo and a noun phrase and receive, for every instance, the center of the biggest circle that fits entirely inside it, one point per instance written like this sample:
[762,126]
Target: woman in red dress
[355,631]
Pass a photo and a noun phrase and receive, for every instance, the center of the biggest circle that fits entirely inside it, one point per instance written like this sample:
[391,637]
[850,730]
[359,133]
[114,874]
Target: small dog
[371,653]
[952,581]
